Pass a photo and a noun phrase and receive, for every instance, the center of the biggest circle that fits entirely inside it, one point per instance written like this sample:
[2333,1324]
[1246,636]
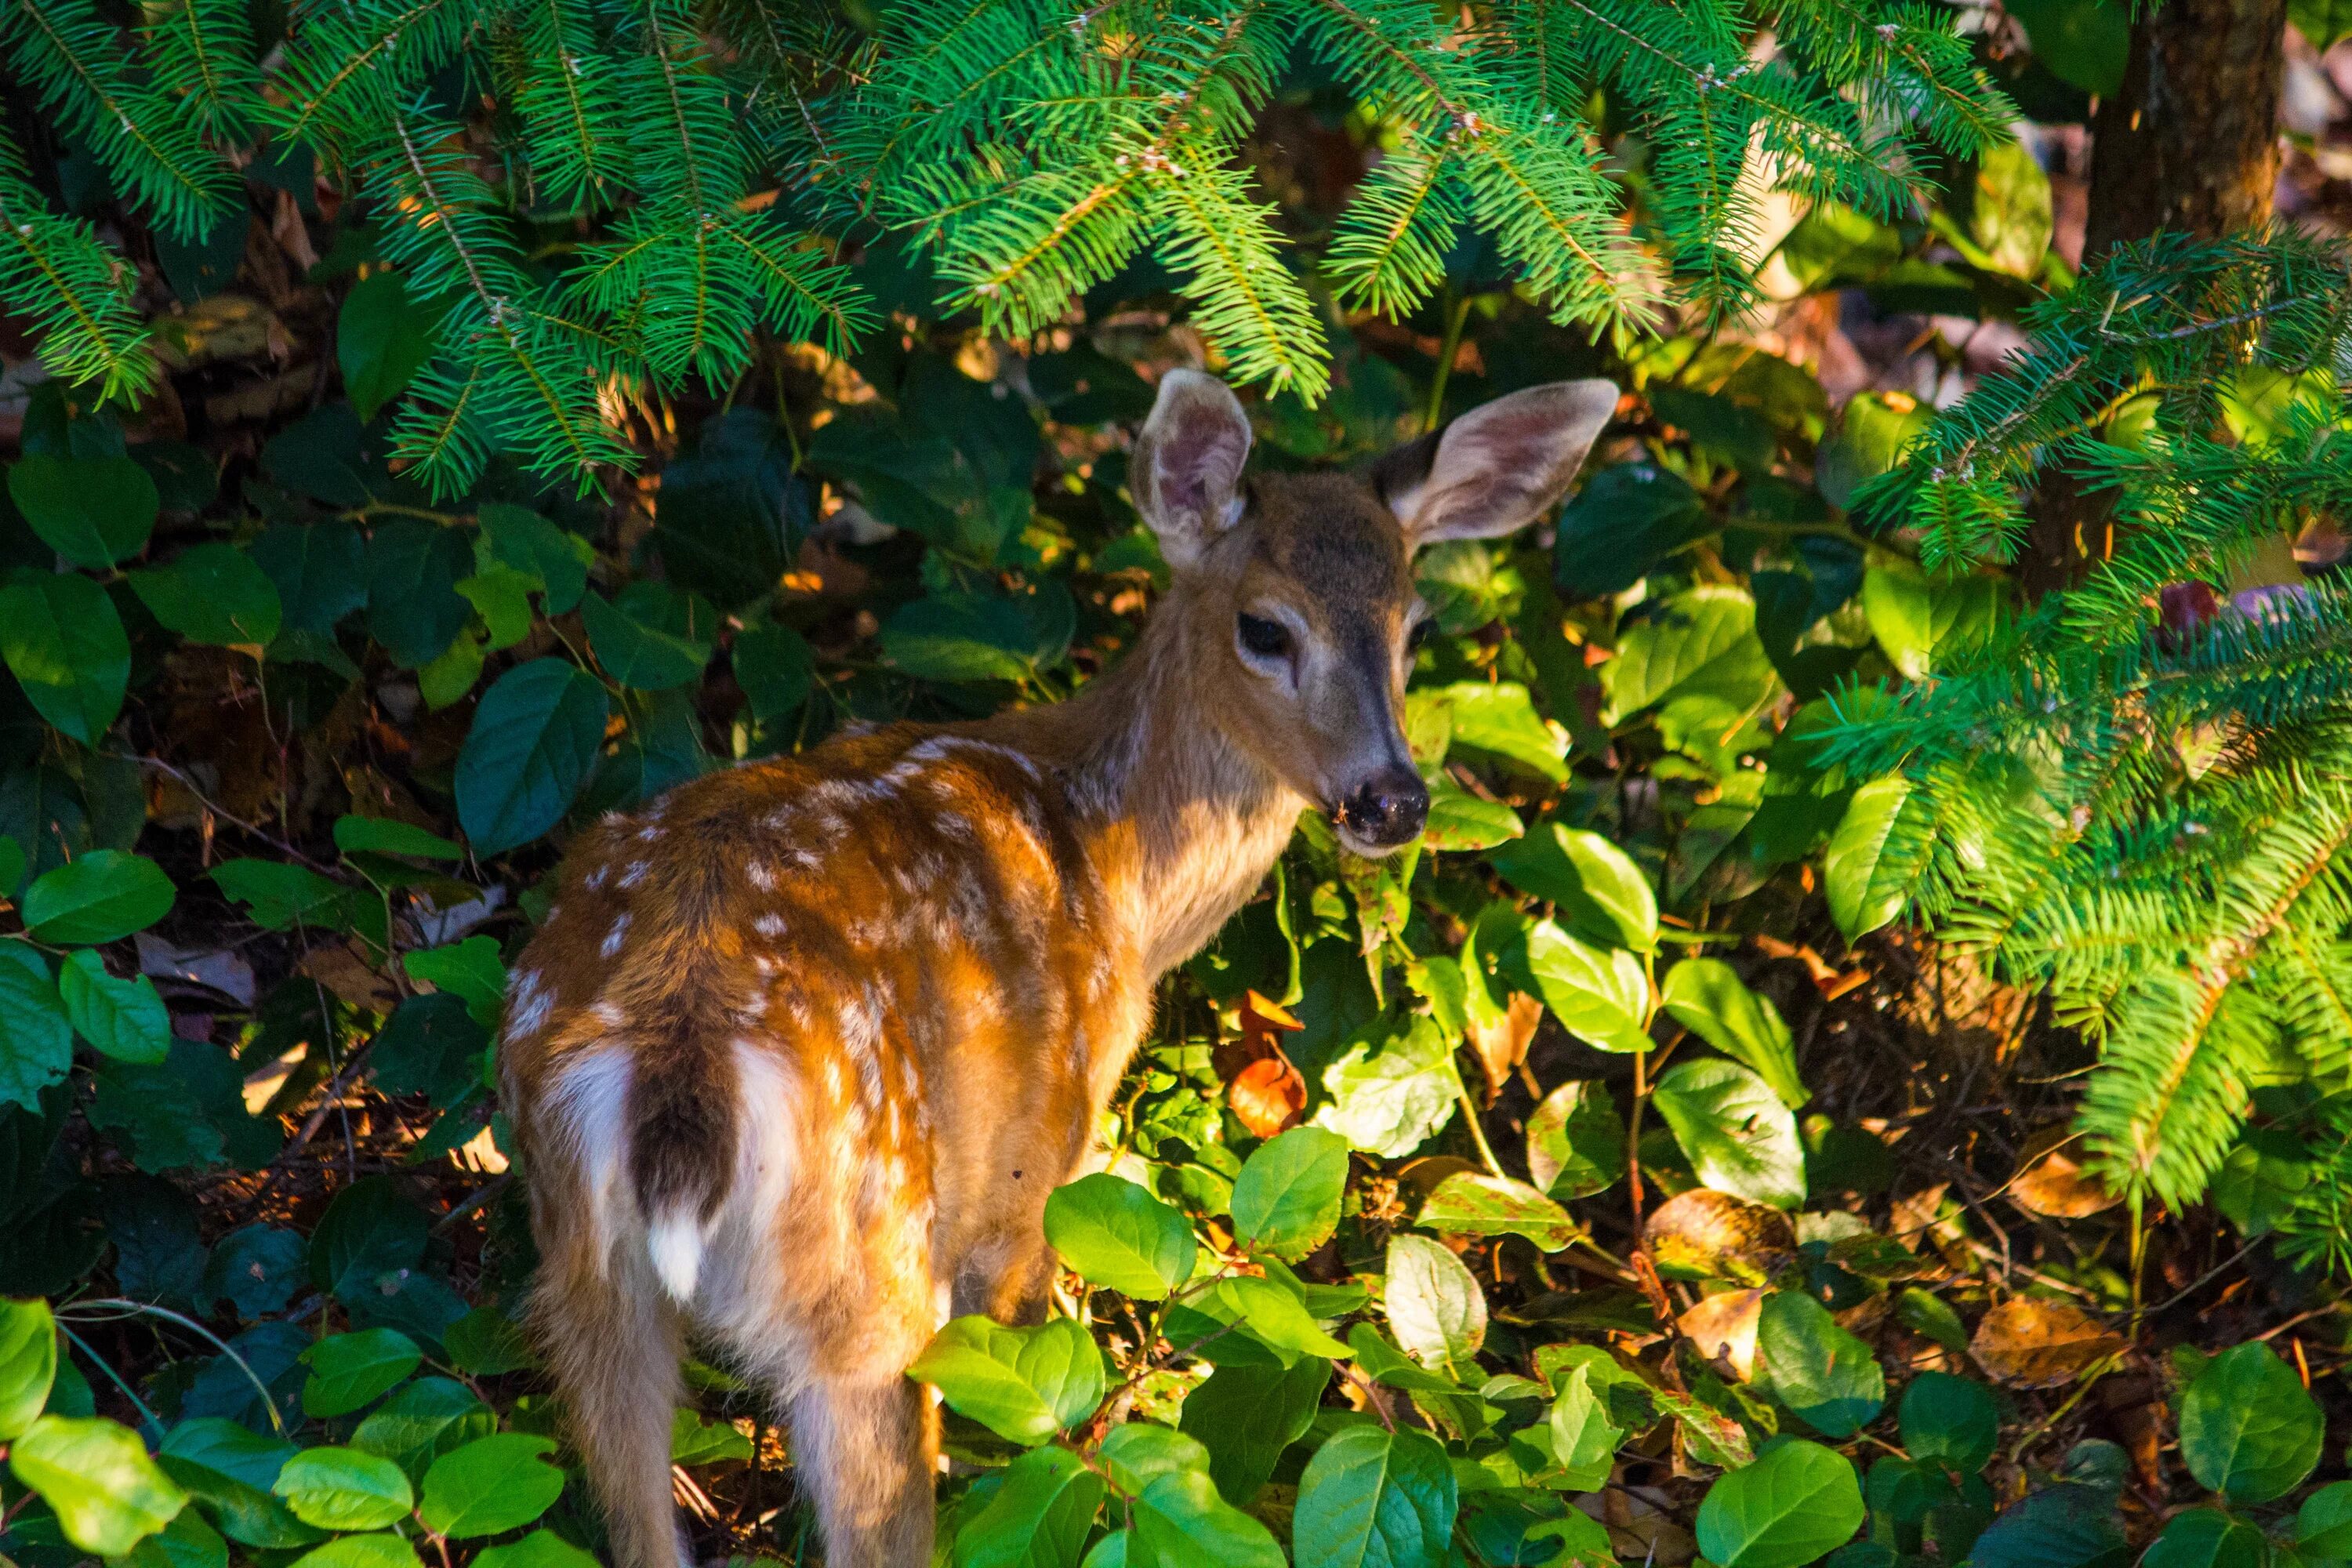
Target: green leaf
[775,667]
[105,895]
[65,644]
[186,1543]
[380,1549]
[1584,1441]
[1375,1498]
[1737,1136]
[279,896]
[956,636]
[1829,1377]
[35,1037]
[1921,620]
[94,511]
[1576,1141]
[1459,820]
[1436,1308]
[2323,23]
[230,1470]
[539,1548]
[1472,1202]
[1287,1199]
[1601,892]
[125,1019]
[423,1421]
[1390,1090]
[485,1342]
[29,1363]
[1626,520]
[1119,1235]
[1500,717]
[383,338]
[491,1484]
[348,1371]
[213,594]
[2249,1429]
[2207,1538]
[471,969]
[1599,996]
[1793,1506]
[1246,1415]
[384,836]
[2323,1526]
[414,610]
[2008,209]
[1707,996]
[1179,1521]
[108,1494]
[553,560]
[651,637]
[1276,1314]
[1701,640]
[1865,892]
[318,569]
[1038,1518]
[696,1440]
[2084,42]
[1023,1383]
[535,736]
[1950,1419]
[343,1488]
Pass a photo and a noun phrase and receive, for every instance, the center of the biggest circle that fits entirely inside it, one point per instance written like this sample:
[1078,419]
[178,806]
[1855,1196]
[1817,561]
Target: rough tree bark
[2191,143]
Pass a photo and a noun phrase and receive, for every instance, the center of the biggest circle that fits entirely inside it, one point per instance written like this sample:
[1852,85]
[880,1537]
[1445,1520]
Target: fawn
[803,1046]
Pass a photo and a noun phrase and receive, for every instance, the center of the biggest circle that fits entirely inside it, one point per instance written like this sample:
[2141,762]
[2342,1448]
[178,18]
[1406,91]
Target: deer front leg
[866,1443]
[1008,1275]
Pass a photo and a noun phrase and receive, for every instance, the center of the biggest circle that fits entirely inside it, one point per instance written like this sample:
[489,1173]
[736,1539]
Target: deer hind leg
[612,1341]
[865,1444]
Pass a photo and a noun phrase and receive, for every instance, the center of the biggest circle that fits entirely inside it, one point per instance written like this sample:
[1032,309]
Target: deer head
[1295,591]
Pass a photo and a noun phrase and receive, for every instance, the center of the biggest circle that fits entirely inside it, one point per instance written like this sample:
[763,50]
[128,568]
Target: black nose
[1387,810]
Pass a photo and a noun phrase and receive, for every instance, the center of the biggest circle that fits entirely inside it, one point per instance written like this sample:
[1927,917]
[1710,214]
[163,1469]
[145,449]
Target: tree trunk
[2191,143]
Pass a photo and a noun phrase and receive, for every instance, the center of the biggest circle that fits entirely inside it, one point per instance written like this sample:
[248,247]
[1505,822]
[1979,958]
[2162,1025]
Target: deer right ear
[1186,473]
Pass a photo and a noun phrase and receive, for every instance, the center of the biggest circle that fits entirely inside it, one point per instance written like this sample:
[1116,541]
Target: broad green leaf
[539,1548]
[29,1363]
[2323,1526]
[471,969]
[1275,1315]
[554,560]
[1038,1518]
[1702,639]
[1287,1199]
[2207,1538]
[1584,1440]
[108,1494]
[775,667]
[125,1019]
[1707,996]
[423,1421]
[1949,1419]
[94,511]
[1576,1141]
[1436,1308]
[320,570]
[1825,1374]
[1602,894]
[230,1470]
[694,1439]
[414,610]
[1390,1092]
[2084,42]
[485,1342]
[1625,519]
[1921,620]
[384,835]
[1864,892]
[348,1371]
[1472,1202]
[279,896]
[186,1543]
[212,593]
[1459,820]
[105,895]
[1376,1499]
[432,1045]
[65,644]
[1793,1506]
[491,1484]
[382,1549]
[1600,995]
[1245,1415]
[957,637]
[1873,431]
[535,737]
[383,338]
[343,1488]
[650,636]
[1117,1234]
[1179,1521]
[1024,1383]
[1737,1136]
[35,1037]
[1501,718]
[2008,209]
[2249,1429]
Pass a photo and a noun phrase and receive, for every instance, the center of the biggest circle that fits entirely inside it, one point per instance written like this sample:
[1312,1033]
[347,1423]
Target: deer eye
[1267,639]
[1420,633]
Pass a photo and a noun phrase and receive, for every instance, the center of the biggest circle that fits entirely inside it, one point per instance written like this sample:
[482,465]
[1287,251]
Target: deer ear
[1187,470]
[1499,466]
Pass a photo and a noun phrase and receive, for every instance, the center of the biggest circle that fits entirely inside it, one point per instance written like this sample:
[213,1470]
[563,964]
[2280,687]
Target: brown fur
[808,1042]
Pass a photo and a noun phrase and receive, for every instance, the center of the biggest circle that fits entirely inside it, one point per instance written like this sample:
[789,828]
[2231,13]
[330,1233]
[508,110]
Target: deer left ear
[1499,466]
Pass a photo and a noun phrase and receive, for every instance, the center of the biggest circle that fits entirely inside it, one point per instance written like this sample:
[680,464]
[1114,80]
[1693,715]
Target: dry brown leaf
[2052,1180]
[2029,1344]
[1503,1045]
[1268,1096]
[343,973]
[1723,1326]
[1828,979]
[1703,1233]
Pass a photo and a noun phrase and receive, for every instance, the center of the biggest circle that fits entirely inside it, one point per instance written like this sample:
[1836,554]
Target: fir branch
[54,273]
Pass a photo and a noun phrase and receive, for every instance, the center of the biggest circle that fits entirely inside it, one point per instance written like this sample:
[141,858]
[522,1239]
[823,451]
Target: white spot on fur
[635,874]
[762,874]
[532,1004]
[616,937]
[768,925]
[609,1014]
[674,1243]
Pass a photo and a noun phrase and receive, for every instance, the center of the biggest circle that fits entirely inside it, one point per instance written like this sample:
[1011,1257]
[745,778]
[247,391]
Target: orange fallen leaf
[1503,1044]
[2052,1182]
[1703,1233]
[1723,1326]
[1828,979]
[2031,1343]
[1268,1094]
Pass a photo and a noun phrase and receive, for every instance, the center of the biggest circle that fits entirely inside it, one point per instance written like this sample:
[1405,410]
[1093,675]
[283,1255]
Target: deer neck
[1182,823]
